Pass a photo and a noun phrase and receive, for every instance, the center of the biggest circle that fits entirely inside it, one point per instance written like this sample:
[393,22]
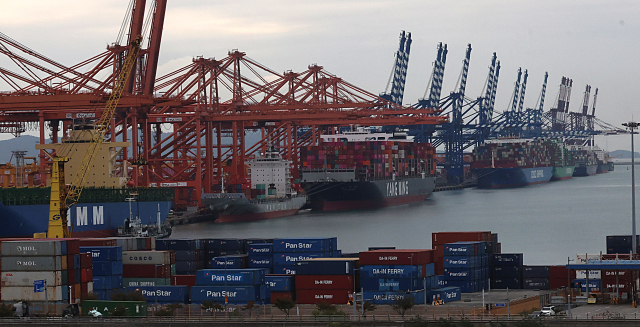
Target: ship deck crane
[63,196]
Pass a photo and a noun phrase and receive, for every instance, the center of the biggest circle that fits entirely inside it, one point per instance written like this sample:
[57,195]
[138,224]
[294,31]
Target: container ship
[561,160]
[512,163]
[586,161]
[270,196]
[363,170]
[105,203]
[605,164]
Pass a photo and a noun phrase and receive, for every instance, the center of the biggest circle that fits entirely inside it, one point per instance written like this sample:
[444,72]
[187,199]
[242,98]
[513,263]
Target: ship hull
[358,195]
[512,177]
[240,209]
[87,219]
[585,170]
[603,167]
[562,173]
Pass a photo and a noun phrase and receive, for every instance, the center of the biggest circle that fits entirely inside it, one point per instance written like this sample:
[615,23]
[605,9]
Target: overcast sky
[592,42]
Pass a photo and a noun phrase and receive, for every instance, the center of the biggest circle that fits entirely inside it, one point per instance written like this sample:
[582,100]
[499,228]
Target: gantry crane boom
[63,197]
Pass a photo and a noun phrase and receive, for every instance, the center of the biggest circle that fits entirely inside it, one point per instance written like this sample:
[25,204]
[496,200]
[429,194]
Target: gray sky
[593,42]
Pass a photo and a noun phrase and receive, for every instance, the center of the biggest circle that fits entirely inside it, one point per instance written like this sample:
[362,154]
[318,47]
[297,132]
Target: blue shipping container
[382,297]
[461,249]
[178,244]
[284,270]
[594,284]
[102,295]
[289,259]
[230,276]
[188,266]
[262,249]
[102,283]
[107,268]
[459,274]
[536,283]
[325,267]
[447,294]
[103,253]
[238,261]
[164,294]
[280,283]
[287,245]
[536,272]
[507,271]
[504,283]
[391,284]
[459,262]
[508,259]
[224,244]
[466,286]
[116,281]
[392,271]
[235,294]
[188,255]
[260,262]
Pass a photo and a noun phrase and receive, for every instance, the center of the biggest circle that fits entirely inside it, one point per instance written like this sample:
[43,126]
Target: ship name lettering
[400,188]
[537,173]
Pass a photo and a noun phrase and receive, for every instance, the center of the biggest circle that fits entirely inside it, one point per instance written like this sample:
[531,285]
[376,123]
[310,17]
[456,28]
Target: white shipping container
[54,293]
[582,259]
[146,257]
[34,263]
[90,287]
[26,278]
[32,248]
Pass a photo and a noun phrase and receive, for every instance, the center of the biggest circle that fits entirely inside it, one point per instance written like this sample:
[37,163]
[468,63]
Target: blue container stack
[215,248]
[535,278]
[280,286]
[260,255]
[162,294]
[384,284]
[507,271]
[107,269]
[238,285]
[466,265]
[288,251]
[189,254]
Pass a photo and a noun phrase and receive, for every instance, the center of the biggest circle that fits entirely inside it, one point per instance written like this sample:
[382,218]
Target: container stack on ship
[512,163]
[586,161]
[268,195]
[363,170]
[562,160]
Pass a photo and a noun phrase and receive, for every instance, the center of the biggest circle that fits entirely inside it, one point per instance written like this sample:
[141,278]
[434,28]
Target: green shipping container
[133,308]
[173,269]
[146,282]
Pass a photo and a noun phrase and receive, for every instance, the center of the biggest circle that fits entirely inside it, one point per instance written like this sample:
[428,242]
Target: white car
[548,311]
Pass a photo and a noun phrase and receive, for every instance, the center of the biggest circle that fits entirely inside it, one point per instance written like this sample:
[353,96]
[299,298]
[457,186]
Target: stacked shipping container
[107,269]
[146,268]
[512,154]
[260,255]
[466,265]
[507,271]
[536,278]
[390,275]
[234,286]
[372,160]
[279,287]
[330,280]
[287,251]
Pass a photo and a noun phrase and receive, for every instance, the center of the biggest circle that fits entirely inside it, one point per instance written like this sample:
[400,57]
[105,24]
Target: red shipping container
[97,242]
[622,274]
[71,276]
[87,275]
[396,257]
[70,262]
[442,238]
[146,271]
[86,261]
[73,246]
[172,257]
[83,288]
[317,296]
[560,272]
[188,280]
[324,282]
[280,295]
[555,283]
[623,287]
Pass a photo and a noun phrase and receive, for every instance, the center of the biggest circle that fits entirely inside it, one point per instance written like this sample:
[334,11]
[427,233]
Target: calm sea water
[548,222]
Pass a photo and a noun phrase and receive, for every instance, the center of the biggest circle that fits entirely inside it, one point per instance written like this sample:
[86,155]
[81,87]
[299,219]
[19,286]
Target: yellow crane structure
[64,196]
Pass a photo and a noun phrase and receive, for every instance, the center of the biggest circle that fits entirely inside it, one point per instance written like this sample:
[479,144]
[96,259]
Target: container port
[125,153]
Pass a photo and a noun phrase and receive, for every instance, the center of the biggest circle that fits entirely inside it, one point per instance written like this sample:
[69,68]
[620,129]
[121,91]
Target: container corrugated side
[26,278]
[146,257]
[33,263]
[33,248]
[54,293]
[164,294]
